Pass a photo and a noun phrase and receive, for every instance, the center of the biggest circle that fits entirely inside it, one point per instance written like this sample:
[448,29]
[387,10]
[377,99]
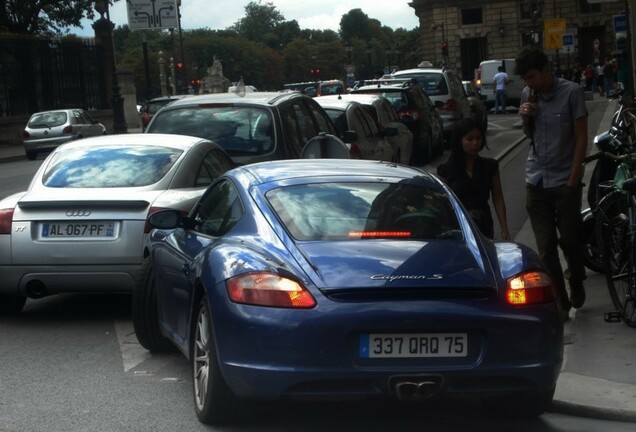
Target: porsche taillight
[528,288]
[6,218]
[269,289]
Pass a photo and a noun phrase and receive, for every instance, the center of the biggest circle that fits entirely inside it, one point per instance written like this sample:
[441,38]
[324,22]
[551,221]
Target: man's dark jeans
[555,215]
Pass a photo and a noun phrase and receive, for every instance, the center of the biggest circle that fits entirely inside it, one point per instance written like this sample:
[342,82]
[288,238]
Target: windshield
[346,211]
[108,166]
[239,130]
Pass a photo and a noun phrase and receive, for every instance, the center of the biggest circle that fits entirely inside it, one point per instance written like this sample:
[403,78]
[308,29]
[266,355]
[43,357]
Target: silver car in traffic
[48,129]
[81,225]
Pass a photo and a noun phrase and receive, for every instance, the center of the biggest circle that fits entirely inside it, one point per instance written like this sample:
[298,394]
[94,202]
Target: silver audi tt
[81,225]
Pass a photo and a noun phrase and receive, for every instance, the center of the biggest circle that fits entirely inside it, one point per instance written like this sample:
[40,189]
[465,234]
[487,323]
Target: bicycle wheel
[629,311]
[613,235]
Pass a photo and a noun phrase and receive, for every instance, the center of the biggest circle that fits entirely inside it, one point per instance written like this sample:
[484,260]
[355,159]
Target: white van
[483,81]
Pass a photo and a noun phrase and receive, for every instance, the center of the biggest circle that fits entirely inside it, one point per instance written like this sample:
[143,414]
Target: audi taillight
[528,288]
[269,289]
[6,217]
[25,135]
[450,105]
[68,130]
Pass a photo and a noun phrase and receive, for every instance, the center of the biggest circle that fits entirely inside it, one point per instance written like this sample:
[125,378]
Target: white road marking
[132,352]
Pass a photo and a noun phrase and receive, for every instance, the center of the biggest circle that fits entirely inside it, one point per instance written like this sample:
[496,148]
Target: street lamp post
[442,25]
[349,48]
[369,67]
[104,28]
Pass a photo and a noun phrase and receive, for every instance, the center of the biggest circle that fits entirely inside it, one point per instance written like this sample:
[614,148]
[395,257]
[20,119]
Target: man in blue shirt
[554,117]
[499,82]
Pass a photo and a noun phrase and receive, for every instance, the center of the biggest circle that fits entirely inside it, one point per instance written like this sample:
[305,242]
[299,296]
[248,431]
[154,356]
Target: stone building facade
[477,30]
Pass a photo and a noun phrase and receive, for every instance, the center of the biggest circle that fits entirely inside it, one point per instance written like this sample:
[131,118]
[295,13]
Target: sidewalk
[598,377]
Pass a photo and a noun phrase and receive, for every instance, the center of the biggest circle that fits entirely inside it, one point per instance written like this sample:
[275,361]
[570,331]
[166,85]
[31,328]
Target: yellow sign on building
[554,29]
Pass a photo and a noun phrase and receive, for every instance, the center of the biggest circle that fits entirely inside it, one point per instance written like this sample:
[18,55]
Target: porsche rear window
[346,211]
[109,167]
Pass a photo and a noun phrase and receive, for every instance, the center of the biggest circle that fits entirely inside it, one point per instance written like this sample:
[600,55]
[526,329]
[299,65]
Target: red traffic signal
[179,65]
[314,71]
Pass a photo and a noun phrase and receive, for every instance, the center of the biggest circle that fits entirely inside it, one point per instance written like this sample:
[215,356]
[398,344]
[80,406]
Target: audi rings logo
[78,213]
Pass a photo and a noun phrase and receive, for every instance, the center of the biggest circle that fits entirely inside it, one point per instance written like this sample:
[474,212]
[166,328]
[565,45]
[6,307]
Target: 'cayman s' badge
[392,278]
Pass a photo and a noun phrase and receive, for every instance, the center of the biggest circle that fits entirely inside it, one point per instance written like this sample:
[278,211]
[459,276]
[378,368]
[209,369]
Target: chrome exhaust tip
[416,390]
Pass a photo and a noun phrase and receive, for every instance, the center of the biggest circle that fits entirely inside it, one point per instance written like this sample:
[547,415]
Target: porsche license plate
[94,229]
[413,345]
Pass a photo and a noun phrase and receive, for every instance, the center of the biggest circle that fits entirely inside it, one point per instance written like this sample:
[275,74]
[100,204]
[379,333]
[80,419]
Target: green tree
[44,17]
[355,24]
[260,22]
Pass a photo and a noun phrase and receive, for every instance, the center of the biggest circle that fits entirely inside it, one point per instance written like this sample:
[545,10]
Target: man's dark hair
[530,57]
[500,68]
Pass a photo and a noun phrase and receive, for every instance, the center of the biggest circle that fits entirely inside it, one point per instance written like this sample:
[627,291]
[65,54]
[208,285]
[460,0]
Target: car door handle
[185,269]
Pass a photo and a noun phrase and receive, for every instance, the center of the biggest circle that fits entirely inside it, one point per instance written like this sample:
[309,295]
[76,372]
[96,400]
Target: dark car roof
[335,102]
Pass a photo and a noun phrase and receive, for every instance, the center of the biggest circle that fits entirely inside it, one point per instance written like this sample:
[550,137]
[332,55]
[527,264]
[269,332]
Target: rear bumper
[315,354]
[19,280]
[46,143]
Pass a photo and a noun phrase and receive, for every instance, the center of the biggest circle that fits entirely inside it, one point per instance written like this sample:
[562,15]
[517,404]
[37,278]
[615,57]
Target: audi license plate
[94,229]
[405,345]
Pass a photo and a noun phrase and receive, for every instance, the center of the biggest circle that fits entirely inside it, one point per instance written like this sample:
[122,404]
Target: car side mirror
[165,219]
[408,119]
[325,146]
[350,136]
[390,131]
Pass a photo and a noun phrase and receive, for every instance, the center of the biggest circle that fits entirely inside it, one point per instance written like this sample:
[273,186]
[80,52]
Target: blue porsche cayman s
[324,279]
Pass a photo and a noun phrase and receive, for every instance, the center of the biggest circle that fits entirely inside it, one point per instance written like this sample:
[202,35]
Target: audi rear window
[109,167]
[359,211]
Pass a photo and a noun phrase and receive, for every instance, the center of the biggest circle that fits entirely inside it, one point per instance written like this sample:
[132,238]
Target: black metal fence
[41,74]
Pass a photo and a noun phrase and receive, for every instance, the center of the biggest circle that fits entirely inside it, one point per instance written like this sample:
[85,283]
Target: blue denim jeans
[500,101]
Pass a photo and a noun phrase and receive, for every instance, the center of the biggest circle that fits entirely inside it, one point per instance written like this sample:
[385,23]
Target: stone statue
[215,82]
[216,69]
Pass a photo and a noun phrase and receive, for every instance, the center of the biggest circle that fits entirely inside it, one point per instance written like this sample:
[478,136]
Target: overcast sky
[316,14]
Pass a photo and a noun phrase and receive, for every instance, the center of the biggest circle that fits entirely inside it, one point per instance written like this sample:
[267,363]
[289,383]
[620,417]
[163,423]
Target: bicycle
[613,147]
[618,226]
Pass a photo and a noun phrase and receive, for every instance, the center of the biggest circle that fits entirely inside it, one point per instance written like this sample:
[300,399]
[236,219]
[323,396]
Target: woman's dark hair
[462,127]
[530,57]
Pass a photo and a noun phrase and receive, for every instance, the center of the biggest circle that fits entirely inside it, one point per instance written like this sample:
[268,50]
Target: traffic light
[444,48]
[180,71]
[314,72]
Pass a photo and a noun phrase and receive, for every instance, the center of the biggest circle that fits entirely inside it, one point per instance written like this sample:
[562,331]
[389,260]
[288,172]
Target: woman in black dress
[474,179]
